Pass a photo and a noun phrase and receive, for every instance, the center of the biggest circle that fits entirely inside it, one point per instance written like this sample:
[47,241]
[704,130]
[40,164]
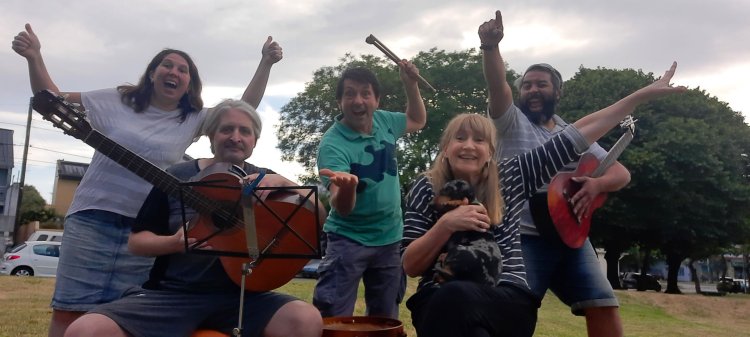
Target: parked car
[310,270]
[46,235]
[33,258]
[649,282]
[730,285]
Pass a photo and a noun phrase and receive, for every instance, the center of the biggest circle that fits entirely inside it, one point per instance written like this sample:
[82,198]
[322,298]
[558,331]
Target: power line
[34,127]
[40,161]
[45,149]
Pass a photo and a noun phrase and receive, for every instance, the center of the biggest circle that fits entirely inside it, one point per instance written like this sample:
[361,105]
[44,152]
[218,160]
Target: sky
[94,44]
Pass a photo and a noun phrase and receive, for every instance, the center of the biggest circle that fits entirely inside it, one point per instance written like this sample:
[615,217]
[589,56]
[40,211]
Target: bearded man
[573,274]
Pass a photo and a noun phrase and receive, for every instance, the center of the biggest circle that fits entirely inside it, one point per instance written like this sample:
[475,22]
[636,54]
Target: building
[8,190]
[67,178]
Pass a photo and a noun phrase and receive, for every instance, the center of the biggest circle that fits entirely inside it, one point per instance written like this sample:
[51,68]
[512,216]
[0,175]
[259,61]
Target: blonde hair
[488,189]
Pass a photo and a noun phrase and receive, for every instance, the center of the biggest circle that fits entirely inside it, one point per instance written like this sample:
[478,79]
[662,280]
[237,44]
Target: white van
[46,235]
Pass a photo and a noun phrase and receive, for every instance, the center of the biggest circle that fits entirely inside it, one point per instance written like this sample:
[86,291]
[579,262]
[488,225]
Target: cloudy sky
[92,44]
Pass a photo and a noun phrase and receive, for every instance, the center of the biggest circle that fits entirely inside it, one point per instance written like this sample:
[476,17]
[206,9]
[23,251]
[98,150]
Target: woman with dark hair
[157,119]
[466,151]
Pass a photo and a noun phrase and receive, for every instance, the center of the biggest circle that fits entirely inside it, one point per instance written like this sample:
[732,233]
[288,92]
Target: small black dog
[468,255]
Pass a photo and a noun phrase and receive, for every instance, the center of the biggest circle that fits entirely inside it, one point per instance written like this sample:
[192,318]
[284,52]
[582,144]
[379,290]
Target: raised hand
[26,43]
[491,32]
[661,87]
[271,51]
[408,72]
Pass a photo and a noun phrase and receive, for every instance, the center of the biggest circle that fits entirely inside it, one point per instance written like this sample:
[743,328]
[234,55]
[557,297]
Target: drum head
[362,326]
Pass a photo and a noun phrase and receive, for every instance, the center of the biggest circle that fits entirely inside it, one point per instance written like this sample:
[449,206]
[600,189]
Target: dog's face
[453,194]
[458,190]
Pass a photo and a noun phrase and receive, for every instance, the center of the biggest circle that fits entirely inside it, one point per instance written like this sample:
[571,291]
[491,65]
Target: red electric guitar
[287,227]
[558,209]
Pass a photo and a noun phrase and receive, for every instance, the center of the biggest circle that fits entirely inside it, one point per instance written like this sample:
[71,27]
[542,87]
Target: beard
[549,104]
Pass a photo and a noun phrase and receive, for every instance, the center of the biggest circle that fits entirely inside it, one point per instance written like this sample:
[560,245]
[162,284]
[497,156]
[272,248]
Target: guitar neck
[149,172]
[613,154]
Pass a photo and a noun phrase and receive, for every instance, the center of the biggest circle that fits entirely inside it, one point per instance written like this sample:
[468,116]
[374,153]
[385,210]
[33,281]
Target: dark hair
[359,75]
[138,96]
[544,67]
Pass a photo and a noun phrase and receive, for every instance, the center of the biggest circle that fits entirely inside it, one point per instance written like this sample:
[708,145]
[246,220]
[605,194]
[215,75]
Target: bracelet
[487,46]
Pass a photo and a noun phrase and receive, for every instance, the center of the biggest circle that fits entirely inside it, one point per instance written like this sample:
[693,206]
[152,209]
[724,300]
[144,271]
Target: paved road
[689,287]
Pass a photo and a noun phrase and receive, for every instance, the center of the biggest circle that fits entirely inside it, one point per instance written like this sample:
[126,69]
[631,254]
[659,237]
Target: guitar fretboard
[613,154]
[150,172]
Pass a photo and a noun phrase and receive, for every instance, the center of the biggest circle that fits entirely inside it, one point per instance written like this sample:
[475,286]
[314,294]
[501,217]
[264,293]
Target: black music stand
[266,252]
[267,246]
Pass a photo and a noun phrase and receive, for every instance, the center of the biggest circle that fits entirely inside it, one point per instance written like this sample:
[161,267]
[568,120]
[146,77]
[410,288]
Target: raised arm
[27,44]
[416,114]
[597,124]
[254,92]
[493,66]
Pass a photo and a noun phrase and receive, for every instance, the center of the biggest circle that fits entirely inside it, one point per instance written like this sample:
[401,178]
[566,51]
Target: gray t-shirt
[154,134]
[516,134]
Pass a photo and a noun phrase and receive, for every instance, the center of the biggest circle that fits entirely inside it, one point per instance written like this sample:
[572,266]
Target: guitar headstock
[629,124]
[62,114]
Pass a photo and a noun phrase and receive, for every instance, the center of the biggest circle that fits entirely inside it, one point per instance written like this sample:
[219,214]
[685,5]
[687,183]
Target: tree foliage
[689,193]
[687,196]
[457,76]
[33,206]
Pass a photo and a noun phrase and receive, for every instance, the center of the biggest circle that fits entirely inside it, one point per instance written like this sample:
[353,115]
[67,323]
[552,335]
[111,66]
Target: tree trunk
[613,268]
[645,265]
[746,272]
[723,266]
[673,267]
[694,276]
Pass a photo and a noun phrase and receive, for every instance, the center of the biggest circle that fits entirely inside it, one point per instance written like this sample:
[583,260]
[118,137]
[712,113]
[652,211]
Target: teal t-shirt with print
[376,219]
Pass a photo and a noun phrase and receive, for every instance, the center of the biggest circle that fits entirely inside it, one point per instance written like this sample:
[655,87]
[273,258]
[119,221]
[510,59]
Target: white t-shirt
[154,134]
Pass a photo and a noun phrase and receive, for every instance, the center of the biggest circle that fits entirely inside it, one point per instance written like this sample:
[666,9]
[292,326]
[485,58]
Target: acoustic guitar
[287,223]
[557,209]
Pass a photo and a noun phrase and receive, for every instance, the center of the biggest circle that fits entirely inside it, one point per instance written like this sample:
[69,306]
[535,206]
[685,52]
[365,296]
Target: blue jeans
[95,265]
[346,263]
[574,275]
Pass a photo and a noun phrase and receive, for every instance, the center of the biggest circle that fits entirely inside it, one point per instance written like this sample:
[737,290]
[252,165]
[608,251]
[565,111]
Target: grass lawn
[24,311]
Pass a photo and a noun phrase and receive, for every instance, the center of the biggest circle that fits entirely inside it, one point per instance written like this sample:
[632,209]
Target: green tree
[460,88]
[687,197]
[33,206]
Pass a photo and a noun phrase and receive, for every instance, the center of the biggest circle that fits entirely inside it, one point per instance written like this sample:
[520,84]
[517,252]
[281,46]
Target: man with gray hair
[573,274]
[185,291]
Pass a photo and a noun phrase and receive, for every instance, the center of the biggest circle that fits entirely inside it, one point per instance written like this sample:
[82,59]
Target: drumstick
[371,39]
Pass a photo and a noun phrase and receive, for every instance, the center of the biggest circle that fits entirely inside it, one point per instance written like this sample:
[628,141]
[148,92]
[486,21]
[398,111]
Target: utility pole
[22,181]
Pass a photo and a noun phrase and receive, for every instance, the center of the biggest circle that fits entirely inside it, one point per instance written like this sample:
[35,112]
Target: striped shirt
[520,176]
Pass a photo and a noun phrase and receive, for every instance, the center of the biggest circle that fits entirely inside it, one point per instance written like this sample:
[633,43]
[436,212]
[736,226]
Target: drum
[362,326]
[208,333]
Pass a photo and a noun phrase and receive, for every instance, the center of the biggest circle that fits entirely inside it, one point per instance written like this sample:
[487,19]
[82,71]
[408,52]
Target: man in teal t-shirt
[357,163]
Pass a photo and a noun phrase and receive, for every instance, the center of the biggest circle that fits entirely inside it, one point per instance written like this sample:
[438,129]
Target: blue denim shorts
[574,275]
[156,313]
[95,265]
